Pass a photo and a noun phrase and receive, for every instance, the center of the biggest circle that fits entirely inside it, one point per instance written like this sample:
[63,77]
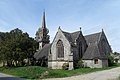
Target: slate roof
[93,50]
[93,38]
[68,36]
[71,37]
[75,35]
[43,52]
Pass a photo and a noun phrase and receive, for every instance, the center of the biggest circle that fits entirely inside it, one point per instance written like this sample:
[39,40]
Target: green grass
[35,72]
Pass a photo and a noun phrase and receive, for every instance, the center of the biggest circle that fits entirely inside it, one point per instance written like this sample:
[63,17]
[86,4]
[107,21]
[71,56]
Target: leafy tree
[15,47]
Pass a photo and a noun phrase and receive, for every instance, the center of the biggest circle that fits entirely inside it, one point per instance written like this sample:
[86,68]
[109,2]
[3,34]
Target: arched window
[60,49]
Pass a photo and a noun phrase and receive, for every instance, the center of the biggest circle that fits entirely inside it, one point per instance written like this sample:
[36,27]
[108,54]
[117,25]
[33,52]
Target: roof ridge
[70,32]
[65,31]
[93,33]
[75,32]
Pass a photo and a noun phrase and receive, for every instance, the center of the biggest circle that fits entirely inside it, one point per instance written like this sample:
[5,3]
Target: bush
[65,66]
[80,64]
[110,61]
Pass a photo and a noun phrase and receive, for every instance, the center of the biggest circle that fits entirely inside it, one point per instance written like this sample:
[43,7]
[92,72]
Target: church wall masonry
[56,63]
[91,63]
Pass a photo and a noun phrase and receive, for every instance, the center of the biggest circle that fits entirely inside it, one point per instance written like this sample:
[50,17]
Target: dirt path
[100,75]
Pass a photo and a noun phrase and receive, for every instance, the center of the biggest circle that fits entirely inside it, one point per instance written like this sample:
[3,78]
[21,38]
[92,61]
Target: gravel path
[8,77]
[99,75]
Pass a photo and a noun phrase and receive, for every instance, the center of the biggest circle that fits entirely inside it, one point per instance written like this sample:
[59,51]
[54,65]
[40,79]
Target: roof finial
[80,28]
[59,27]
[102,30]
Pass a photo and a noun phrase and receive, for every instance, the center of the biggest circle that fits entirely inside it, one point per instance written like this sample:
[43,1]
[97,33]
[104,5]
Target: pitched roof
[43,52]
[68,36]
[71,37]
[93,52]
[93,38]
[75,35]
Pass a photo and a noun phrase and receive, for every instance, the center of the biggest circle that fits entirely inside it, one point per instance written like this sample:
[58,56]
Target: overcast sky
[91,15]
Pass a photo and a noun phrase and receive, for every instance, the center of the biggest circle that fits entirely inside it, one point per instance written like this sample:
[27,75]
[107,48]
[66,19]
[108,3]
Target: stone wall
[119,61]
[91,64]
[55,62]
[104,63]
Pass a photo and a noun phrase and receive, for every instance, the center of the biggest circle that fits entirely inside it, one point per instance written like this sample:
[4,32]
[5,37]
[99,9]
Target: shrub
[110,60]
[80,64]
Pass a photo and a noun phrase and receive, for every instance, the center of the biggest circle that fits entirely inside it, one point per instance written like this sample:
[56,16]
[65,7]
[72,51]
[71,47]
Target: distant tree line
[16,48]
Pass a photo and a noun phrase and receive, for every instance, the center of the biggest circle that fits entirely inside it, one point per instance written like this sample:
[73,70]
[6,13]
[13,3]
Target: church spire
[43,21]
[42,36]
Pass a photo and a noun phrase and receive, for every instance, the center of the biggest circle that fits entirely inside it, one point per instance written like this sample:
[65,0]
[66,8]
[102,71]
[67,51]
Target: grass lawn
[35,72]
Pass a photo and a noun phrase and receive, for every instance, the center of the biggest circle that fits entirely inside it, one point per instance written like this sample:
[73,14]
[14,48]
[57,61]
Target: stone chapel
[66,47]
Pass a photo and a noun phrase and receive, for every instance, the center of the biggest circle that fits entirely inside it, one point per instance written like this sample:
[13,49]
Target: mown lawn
[35,72]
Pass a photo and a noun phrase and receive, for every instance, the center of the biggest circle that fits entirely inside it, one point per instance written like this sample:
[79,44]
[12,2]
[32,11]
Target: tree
[15,47]
[110,60]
